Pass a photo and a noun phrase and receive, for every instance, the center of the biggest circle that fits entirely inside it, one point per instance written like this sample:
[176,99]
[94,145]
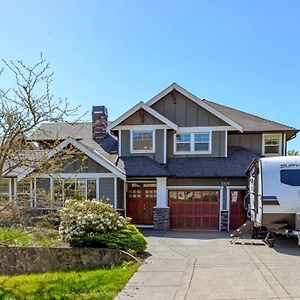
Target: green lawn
[21,237]
[91,284]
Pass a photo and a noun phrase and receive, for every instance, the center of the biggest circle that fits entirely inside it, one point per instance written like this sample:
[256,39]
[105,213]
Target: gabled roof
[249,122]
[61,131]
[197,101]
[141,105]
[235,165]
[88,149]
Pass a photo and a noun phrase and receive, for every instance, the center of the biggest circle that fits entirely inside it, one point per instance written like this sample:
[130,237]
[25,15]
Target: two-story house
[175,161]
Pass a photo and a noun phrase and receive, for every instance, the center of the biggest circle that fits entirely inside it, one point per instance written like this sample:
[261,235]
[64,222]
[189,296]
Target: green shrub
[128,238]
[85,219]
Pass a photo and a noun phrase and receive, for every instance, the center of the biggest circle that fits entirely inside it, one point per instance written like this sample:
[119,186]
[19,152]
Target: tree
[293,152]
[23,108]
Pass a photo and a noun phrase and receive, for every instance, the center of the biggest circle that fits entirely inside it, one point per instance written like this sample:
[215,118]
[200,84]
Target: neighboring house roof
[141,105]
[249,122]
[89,149]
[235,165]
[197,100]
[61,131]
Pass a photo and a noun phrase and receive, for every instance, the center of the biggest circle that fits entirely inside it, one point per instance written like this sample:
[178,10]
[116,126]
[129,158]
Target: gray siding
[249,141]
[159,146]
[135,119]
[186,113]
[120,193]
[217,147]
[106,190]
[80,165]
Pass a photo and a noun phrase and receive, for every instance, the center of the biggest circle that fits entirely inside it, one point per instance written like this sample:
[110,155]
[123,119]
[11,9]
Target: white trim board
[205,128]
[141,105]
[194,187]
[141,127]
[197,101]
[77,175]
[93,154]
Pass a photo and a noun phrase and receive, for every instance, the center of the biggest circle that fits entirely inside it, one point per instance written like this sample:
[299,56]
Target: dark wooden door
[140,201]
[237,213]
[194,209]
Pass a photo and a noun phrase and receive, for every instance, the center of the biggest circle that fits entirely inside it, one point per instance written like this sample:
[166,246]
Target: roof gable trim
[96,156]
[141,105]
[197,101]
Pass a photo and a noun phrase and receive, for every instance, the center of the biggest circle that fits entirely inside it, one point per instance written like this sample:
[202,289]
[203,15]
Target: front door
[140,200]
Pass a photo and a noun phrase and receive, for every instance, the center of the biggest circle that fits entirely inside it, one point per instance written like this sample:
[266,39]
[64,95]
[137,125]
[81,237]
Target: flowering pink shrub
[88,218]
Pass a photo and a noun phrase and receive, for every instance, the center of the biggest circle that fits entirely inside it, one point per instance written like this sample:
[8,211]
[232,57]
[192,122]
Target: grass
[20,237]
[101,284]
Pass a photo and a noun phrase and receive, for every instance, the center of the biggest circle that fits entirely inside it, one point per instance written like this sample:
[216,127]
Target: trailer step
[245,228]
[247,242]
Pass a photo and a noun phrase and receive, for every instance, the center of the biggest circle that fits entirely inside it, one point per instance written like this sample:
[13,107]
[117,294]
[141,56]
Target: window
[290,177]
[183,142]
[23,193]
[271,144]
[189,143]
[142,141]
[42,192]
[4,186]
[74,188]
[202,141]
[4,190]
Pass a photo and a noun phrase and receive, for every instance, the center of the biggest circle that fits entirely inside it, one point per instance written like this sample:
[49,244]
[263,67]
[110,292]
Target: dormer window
[192,143]
[142,141]
[271,144]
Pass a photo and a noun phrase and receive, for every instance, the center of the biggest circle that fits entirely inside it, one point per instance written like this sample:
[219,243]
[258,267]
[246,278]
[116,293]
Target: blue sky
[244,54]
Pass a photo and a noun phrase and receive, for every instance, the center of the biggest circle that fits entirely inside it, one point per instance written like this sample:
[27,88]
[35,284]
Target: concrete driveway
[201,265]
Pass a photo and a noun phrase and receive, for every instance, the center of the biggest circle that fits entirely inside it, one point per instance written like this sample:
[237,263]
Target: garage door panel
[189,208]
[197,209]
[189,222]
[194,209]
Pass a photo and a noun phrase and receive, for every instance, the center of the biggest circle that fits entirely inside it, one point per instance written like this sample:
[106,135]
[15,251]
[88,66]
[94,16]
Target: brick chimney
[100,121]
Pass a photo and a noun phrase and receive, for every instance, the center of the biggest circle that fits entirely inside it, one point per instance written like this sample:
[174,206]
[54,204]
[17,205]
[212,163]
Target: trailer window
[290,177]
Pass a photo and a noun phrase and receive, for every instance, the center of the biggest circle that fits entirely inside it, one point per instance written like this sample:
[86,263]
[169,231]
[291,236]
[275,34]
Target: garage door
[194,209]
[238,213]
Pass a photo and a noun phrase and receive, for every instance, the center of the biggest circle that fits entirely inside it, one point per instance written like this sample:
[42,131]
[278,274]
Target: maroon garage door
[194,209]
[238,213]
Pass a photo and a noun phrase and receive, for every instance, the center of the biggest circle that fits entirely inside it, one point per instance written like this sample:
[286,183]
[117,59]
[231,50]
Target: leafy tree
[293,152]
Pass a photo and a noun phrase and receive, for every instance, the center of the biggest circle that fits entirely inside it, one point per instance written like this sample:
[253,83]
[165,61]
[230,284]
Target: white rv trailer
[274,194]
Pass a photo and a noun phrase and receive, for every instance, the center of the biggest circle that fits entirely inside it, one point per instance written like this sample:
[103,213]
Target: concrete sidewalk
[199,265]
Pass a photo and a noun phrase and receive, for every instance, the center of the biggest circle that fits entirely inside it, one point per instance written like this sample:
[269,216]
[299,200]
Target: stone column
[161,212]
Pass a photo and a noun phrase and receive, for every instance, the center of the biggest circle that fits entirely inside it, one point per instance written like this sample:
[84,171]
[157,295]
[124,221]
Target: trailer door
[258,195]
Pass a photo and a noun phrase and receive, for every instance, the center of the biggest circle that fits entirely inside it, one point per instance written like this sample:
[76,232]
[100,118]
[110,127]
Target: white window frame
[192,143]
[142,151]
[277,135]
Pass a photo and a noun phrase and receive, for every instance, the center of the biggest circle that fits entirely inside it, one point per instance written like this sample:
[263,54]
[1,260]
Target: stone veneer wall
[161,218]
[16,260]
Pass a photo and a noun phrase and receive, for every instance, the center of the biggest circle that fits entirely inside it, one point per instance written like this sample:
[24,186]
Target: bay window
[192,143]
